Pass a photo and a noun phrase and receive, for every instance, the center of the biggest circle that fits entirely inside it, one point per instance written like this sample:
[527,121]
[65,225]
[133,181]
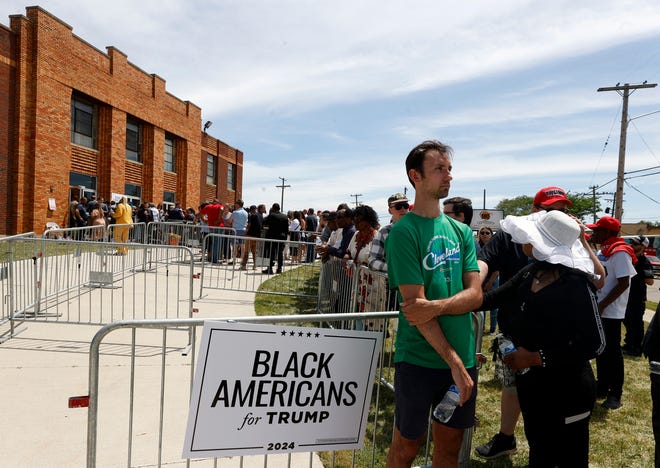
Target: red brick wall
[226,155]
[50,63]
[7,83]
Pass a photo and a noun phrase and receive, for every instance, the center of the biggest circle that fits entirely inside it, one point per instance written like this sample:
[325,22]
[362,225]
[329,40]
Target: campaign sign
[262,389]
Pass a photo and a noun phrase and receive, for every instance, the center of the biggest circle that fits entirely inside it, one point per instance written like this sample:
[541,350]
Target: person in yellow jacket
[124,216]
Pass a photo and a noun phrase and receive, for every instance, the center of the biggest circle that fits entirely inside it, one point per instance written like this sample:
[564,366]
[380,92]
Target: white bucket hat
[554,237]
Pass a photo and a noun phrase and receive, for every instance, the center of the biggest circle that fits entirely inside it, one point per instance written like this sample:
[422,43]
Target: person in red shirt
[212,214]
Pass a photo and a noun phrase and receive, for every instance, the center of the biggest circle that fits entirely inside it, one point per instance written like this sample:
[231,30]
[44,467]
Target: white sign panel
[488,218]
[262,389]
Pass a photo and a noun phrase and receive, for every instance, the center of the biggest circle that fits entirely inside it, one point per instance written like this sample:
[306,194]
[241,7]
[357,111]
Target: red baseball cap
[549,195]
[606,222]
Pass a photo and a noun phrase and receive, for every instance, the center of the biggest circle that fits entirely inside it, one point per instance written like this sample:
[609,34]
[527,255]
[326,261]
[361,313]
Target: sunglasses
[403,205]
[485,233]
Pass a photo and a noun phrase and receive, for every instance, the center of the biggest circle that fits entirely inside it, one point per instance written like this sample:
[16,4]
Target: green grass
[303,278]
[621,438]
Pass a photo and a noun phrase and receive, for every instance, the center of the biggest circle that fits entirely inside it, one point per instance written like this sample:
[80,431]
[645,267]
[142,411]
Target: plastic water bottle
[507,347]
[445,409]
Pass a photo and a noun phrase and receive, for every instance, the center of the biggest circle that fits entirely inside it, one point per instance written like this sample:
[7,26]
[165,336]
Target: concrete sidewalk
[47,363]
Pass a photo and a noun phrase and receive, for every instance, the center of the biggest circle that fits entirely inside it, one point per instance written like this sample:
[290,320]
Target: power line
[640,192]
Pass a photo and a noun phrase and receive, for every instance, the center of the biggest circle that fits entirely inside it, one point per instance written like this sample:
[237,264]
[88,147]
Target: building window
[168,200]
[231,177]
[133,194]
[84,120]
[170,153]
[211,169]
[133,141]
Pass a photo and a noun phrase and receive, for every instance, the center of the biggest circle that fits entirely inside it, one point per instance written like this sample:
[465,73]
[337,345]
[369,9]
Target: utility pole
[593,189]
[618,196]
[356,198]
[282,187]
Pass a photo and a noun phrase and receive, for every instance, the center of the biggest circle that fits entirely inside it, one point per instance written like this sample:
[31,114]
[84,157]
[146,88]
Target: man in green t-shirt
[432,262]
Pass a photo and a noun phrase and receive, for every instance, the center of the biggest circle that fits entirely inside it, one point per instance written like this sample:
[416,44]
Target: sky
[332,96]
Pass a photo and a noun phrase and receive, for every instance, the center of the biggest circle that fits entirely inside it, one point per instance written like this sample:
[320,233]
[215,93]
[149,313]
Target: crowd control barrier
[97,282]
[17,279]
[225,272]
[145,402]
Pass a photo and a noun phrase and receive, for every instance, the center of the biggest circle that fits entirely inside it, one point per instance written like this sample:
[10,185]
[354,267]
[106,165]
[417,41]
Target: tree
[582,208]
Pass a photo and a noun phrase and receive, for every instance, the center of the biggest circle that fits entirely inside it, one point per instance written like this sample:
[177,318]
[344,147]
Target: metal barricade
[85,233]
[148,416]
[127,233]
[336,288]
[137,412]
[183,233]
[17,279]
[224,271]
[100,282]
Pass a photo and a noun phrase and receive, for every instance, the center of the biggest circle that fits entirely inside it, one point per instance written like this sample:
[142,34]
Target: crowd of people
[558,293]
[560,303]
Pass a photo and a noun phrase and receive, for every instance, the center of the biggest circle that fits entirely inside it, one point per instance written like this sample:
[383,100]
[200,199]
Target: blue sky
[333,95]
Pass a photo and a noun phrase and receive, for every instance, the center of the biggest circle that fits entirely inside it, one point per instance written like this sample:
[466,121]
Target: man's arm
[432,332]
[483,270]
[377,260]
[419,310]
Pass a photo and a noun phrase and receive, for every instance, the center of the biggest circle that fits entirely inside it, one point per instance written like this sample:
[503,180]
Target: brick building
[77,121]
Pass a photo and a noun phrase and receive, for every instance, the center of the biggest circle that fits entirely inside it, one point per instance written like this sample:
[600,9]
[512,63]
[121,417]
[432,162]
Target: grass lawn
[621,438]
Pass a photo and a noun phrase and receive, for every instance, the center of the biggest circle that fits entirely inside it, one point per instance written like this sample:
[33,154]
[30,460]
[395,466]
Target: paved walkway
[47,363]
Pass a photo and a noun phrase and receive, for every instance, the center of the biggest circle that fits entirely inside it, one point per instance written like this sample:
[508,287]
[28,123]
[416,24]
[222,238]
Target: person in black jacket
[549,311]
[277,228]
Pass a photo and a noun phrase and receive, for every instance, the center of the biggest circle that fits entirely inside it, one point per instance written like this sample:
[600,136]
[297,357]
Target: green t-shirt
[434,252]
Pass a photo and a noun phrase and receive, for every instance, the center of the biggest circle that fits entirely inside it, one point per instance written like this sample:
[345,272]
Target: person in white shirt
[618,259]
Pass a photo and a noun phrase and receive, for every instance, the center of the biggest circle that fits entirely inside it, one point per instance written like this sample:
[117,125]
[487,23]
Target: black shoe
[279,270]
[499,445]
[612,403]
[267,271]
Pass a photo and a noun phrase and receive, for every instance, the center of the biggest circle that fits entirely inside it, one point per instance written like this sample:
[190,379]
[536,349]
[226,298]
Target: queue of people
[560,305]
[559,298]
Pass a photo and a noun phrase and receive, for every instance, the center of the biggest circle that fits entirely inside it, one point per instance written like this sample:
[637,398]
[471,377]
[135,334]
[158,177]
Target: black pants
[634,323]
[655,418]
[276,250]
[609,365]
[545,403]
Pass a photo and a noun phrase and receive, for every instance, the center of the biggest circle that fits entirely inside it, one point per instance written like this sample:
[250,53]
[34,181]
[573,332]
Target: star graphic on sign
[300,333]
[317,334]
[292,333]
[283,333]
[309,334]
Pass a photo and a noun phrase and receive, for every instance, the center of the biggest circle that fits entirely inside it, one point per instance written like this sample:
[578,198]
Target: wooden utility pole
[282,187]
[356,198]
[618,196]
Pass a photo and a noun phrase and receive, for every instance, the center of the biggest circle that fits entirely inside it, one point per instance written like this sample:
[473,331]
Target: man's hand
[463,381]
[418,310]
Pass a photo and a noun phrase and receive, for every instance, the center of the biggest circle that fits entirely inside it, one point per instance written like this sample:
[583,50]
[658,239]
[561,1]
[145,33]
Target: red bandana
[617,244]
